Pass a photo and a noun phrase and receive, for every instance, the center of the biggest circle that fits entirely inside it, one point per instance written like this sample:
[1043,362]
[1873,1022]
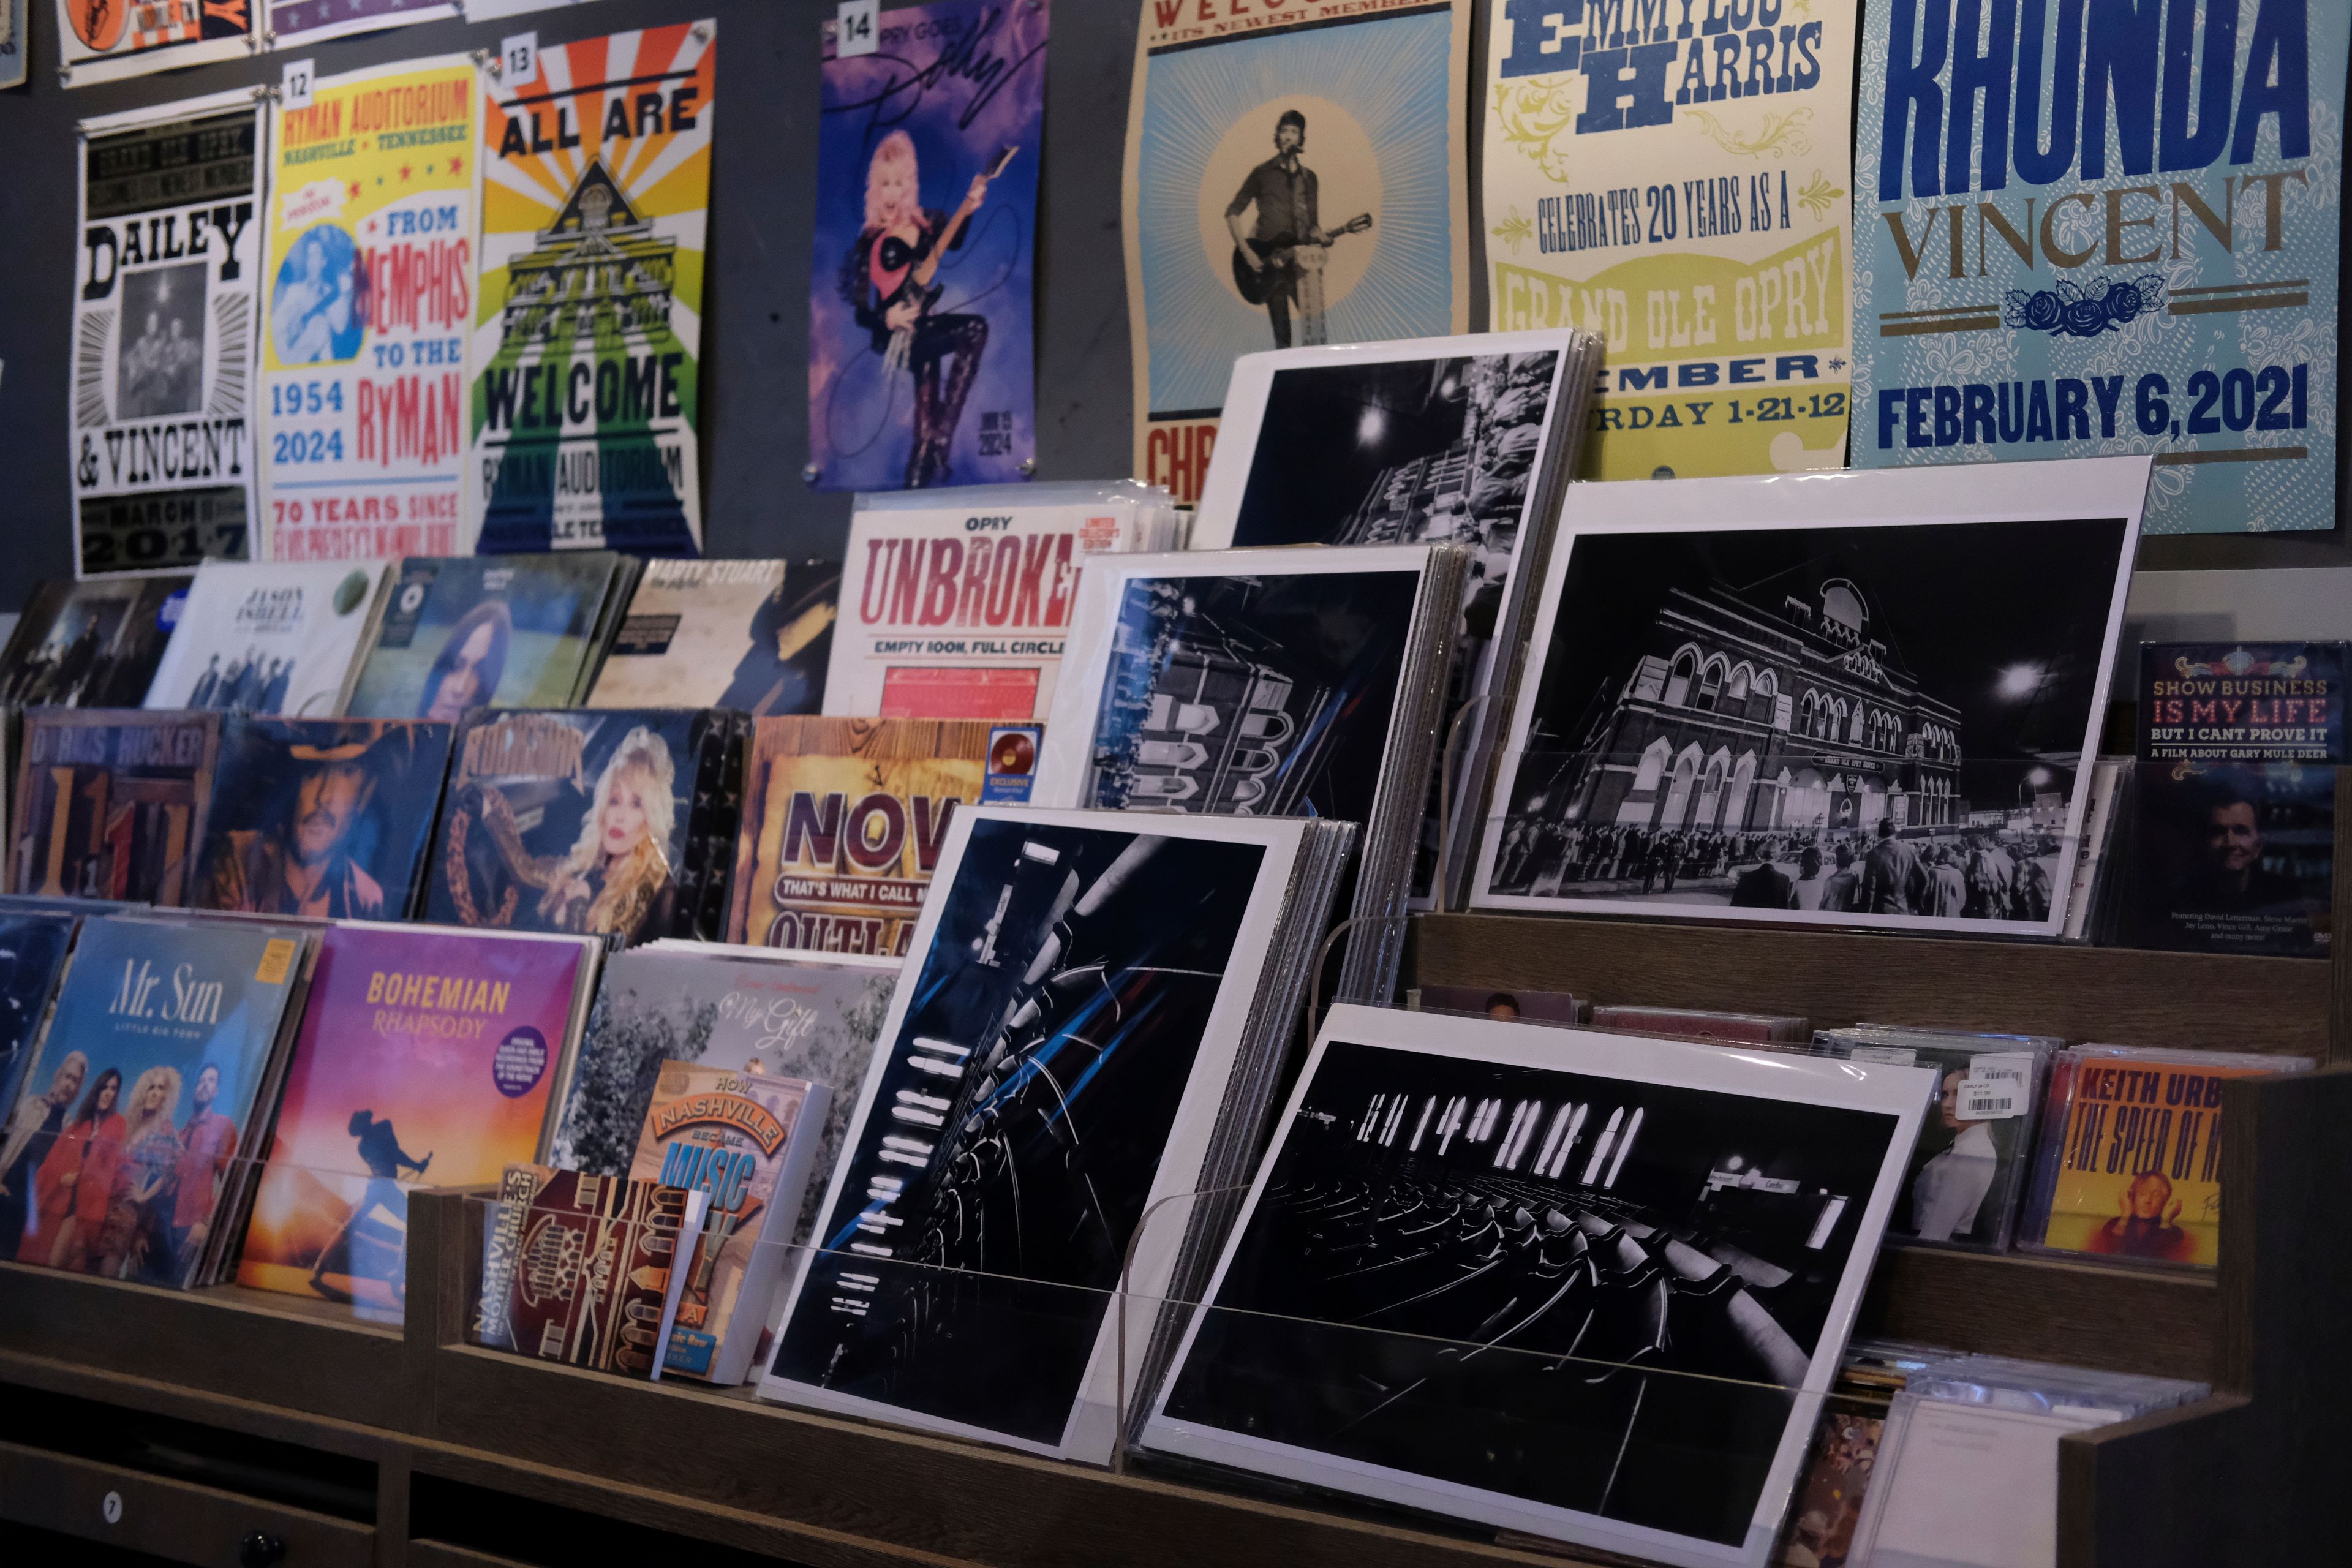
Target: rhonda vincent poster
[1294,176]
[1677,180]
[583,428]
[370,281]
[161,426]
[106,40]
[922,362]
[2135,252]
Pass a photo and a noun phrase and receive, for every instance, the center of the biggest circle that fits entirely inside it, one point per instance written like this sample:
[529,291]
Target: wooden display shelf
[309,1357]
[2246,1476]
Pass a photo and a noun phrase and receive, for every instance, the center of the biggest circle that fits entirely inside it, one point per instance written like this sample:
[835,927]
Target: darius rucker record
[587,330]
[161,428]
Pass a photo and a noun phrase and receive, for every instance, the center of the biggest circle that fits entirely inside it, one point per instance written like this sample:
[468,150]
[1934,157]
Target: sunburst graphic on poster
[588,323]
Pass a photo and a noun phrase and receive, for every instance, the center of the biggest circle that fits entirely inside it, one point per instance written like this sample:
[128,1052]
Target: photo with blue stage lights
[1003,1162]
[1266,695]
[1592,1293]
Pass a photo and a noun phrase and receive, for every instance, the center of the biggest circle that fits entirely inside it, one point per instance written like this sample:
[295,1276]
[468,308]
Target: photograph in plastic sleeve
[1054,1060]
[2232,859]
[1514,1274]
[1975,1146]
[1432,440]
[1831,700]
[160,416]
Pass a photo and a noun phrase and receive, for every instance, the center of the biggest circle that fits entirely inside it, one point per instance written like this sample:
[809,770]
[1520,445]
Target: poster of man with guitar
[1278,262]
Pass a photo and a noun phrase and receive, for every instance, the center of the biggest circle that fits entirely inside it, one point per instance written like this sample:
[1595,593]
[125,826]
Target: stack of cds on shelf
[1267,683]
[1977,1430]
[1775,1030]
[1089,1027]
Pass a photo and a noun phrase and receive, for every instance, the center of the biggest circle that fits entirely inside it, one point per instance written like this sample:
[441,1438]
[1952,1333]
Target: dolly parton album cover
[921,361]
[320,817]
[580,822]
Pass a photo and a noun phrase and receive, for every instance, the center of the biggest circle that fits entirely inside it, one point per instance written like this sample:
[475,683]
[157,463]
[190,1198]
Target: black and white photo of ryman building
[1869,722]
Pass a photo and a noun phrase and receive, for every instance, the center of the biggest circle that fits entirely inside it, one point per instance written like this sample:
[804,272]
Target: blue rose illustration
[2070,309]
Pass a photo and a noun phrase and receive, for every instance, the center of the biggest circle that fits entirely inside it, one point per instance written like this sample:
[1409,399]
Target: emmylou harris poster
[920,367]
[1295,176]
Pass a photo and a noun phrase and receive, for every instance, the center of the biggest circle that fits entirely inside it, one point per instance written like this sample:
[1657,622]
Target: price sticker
[1995,1088]
[294,89]
[519,60]
[1885,1055]
[855,32]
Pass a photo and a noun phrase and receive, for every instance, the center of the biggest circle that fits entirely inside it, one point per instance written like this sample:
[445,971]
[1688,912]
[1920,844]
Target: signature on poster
[924,337]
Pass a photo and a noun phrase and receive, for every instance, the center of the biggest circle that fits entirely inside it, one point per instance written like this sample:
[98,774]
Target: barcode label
[1995,1087]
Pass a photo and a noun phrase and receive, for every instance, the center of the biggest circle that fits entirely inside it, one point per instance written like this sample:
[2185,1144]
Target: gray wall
[755,318]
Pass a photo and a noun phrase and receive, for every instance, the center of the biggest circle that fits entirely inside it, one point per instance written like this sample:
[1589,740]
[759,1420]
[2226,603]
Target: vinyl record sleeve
[1324,1369]
[173,1025]
[1734,682]
[110,804]
[274,638]
[595,822]
[91,644]
[34,1107]
[485,631]
[753,636]
[426,1056]
[843,821]
[800,1016]
[1078,979]
[320,817]
[162,418]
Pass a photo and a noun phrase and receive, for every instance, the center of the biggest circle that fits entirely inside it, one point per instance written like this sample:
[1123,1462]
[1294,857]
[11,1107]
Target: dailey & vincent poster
[161,425]
[1296,174]
[1676,178]
[588,316]
[921,370]
[371,285]
[2107,229]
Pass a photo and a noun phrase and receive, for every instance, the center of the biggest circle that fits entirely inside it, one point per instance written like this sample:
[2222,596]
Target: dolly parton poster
[370,284]
[922,362]
[1296,174]
[2111,231]
[587,335]
[1677,180]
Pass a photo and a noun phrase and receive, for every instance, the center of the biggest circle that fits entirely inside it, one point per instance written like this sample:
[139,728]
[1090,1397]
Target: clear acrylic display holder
[1559,1391]
[1900,840]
